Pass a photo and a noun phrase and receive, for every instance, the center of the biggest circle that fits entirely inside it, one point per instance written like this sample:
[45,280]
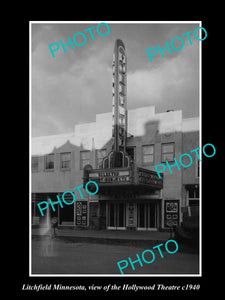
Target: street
[65,257]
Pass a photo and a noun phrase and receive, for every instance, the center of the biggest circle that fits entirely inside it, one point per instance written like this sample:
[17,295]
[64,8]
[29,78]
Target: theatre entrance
[116,216]
[143,215]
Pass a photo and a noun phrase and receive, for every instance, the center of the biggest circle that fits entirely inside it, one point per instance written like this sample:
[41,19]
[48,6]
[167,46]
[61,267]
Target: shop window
[65,161]
[34,163]
[49,161]
[85,158]
[168,152]
[148,154]
[100,155]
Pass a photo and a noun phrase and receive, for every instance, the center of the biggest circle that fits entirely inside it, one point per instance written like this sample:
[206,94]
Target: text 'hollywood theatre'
[119,151]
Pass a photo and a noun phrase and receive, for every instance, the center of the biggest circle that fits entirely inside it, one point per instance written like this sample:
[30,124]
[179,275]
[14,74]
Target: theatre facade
[118,151]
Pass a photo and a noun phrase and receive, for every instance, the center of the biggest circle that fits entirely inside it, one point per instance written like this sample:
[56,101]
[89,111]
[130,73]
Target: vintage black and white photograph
[115,148]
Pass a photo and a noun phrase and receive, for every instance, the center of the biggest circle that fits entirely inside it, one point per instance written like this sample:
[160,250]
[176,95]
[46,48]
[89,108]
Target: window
[85,158]
[100,155]
[49,161]
[65,160]
[131,153]
[148,154]
[193,194]
[168,152]
[34,166]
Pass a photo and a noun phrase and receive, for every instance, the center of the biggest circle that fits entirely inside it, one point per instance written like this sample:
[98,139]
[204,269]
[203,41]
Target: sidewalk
[106,236]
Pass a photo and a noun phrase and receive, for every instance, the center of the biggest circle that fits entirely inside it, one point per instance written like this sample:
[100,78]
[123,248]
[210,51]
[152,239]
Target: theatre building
[118,151]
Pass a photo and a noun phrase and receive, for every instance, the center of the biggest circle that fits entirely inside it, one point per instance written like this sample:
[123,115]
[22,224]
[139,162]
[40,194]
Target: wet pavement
[65,257]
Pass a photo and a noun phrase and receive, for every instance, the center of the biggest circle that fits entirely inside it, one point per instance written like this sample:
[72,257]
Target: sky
[72,87]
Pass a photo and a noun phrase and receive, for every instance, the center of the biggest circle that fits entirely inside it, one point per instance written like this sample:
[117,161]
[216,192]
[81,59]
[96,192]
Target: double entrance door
[147,216]
[116,216]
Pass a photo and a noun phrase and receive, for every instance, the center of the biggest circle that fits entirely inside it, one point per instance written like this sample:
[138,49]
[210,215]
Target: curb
[100,240]
[183,247]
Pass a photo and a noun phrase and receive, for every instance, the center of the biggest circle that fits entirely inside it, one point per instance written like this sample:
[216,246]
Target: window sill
[49,170]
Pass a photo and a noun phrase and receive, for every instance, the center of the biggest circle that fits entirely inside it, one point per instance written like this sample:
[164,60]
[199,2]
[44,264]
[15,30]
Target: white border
[200,136]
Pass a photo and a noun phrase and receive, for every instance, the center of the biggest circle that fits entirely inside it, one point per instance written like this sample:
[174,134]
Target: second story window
[49,161]
[148,154]
[65,160]
[168,152]
[85,158]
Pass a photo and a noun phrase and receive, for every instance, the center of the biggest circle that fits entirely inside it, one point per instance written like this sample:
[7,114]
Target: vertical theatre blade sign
[119,97]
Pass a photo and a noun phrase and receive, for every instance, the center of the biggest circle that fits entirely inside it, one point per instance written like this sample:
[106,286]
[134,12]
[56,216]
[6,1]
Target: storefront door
[116,216]
[147,216]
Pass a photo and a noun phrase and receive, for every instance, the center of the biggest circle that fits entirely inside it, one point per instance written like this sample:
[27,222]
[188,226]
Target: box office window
[34,163]
[85,158]
[168,152]
[65,160]
[49,161]
[148,154]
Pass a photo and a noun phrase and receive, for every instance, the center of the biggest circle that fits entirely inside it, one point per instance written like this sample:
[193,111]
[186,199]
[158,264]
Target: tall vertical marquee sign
[119,97]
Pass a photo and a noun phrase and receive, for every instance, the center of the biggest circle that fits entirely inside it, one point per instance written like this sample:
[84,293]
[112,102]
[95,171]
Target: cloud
[73,95]
[74,86]
[170,83]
